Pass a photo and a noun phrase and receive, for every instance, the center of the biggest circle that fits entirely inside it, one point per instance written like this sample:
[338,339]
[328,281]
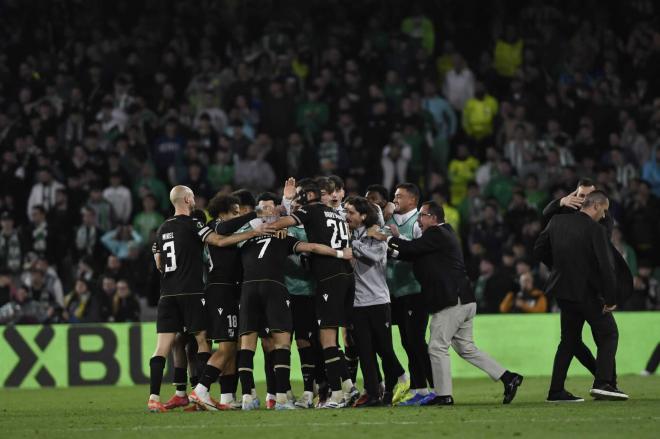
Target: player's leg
[363,339]
[246,368]
[180,397]
[279,320]
[269,371]
[302,312]
[169,321]
[396,379]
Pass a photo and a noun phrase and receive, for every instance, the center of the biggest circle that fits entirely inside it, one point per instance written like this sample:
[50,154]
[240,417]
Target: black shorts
[408,307]
[334,300]
[266,306]
[304,317]
[222,308]
[184,313]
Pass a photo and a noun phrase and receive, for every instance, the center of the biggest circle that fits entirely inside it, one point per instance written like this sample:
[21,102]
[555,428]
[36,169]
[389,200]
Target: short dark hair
[380,189]
[221,204]
[436,210]
[245,197]
[595,197]
[411,188]
[325,184]
[269,196]
[364,207]
[586,182]
[308,185]
[338,181]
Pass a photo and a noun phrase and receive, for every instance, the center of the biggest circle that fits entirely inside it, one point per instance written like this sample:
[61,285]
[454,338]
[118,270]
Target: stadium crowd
[492,108]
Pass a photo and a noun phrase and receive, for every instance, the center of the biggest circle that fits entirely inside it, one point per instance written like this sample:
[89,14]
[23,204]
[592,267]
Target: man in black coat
[571,203]
[439,267]
[584,284]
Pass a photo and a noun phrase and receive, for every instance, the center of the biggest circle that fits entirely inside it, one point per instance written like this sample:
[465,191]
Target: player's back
[180,241]
[324,225]
[264,257]
[225,264]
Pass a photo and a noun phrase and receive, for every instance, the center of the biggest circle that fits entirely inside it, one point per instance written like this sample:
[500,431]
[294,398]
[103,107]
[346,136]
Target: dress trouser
[605,333]
[373,334]
[453,326]
[413,321]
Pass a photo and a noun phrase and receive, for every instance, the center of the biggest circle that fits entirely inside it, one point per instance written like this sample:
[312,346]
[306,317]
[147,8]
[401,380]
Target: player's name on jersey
[168,235]
[333,215]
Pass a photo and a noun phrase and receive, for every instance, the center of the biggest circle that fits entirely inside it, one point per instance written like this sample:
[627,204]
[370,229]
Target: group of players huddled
[306,268]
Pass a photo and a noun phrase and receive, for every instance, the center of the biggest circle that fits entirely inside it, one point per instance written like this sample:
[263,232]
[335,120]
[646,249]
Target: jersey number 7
[265,243]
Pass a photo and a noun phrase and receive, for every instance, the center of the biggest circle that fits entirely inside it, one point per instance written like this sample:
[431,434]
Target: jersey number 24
[339,233]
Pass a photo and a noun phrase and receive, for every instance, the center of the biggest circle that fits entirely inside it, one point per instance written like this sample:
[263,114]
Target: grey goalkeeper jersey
[370,268]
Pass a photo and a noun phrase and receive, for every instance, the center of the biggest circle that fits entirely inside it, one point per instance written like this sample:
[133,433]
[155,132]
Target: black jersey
[225,262]
[180,240]
[264,257]
[324,225]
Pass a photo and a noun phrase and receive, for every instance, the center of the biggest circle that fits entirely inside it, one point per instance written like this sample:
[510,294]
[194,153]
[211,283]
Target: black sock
[271,381]
[343,366]
[180,378]
[194,380]
[233,383]
[282,367]
[307,366]
[332,358]
[352,362]
[156,366]
[209,376]
[245,370]
[227,383]
[202,359]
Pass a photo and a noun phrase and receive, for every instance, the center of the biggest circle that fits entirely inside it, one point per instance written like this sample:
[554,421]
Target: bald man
[178,254]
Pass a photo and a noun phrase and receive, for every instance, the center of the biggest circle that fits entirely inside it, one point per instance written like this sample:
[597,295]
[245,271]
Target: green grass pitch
[100,412]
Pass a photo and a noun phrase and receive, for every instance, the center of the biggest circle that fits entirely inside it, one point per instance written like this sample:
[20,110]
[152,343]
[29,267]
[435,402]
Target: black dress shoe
[563,396]
[607,392]
[511,387]
[441,400]
[368,401]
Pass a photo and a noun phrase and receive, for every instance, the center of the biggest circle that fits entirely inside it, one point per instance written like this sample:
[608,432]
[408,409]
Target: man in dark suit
[439,267]
[571,203]
[584,284]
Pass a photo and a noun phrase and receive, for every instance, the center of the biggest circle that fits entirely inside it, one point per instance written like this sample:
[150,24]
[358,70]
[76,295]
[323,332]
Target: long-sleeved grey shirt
[370,268]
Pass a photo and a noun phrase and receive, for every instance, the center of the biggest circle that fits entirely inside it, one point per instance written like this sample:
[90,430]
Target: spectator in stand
[105,215]
[462,170]
[12,246]
[490,231]
[88,238]
[651,171]
[491,286]
[312,115]
[80,305]
[646,290]
[38,238]
[253,172]
[508,53]
[119,198]
[119,240]
[148,220]
[458,84]
[125,307]
[479,115]
[43,192]
[444,118]
[167,150]
[394,161]
[23,309]
[501,185]
[527,300]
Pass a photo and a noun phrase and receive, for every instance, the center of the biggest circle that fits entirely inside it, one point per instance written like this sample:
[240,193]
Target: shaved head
[183,199]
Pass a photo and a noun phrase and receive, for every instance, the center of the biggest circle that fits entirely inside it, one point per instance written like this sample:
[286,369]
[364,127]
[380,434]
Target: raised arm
[231,226]
[227,241]
[284,223]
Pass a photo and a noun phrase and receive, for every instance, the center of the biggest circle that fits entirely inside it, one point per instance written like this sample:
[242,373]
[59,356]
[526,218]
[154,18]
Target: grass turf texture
[99,412]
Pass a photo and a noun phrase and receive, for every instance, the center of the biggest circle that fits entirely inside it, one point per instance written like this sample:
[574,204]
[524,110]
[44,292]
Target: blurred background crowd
[493,108]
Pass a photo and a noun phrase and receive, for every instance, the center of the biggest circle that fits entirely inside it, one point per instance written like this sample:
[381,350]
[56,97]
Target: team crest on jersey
[325,297]
[220,311]
[231,332]
[199,225]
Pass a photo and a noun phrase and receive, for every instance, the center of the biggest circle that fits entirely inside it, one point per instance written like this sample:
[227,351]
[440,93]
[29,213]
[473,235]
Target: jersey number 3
[339,233]
[170,264]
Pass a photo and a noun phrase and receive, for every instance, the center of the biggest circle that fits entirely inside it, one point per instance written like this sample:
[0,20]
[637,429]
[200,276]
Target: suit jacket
[577,250]
[438,266]
[624,278]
